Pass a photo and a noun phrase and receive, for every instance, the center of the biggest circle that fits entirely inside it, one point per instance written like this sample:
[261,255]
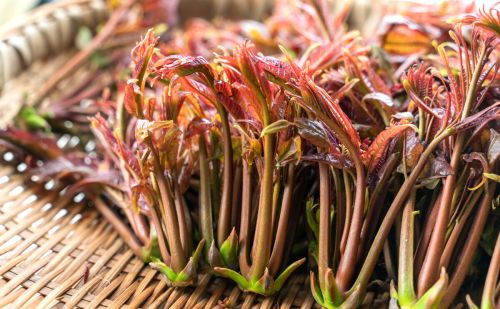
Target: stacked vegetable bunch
[330,150]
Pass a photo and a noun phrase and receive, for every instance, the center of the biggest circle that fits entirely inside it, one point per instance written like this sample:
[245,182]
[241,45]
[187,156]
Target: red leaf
[377,148]
[335,112]
[336,160]
[110,178]
[131,91]
[277,68]
[61,168]
[418,85]
[155,129]
[35,144]
[129,158]
[199,88]
[142,52]
[141,49]
[226,97]
[198,126]
[184,66]
[484,116]
[413,149]
[314,132]
[247,101]
[114,147]
[439,168]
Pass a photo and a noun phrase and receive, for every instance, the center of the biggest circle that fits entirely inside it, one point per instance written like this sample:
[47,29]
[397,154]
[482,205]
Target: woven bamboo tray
[57,251]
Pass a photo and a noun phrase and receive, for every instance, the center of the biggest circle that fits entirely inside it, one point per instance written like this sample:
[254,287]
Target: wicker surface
[57,251]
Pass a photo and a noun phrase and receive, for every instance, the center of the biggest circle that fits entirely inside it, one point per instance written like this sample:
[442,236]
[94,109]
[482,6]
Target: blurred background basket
[55,251]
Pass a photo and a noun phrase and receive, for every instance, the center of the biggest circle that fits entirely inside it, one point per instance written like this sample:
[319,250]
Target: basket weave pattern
[55,251]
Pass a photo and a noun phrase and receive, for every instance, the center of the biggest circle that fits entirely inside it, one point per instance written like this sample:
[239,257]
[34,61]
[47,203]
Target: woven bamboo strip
[39,232]
[124,296]
[8,188]
[308,302]
[34,301]
[13,295]
[55,293]
[138,300]
[73,244]
[76,264]
[77,297]
[160,300]
[158,291]
[5,171]
[27,272]
[138,266]
[180,301]
[28,221]
[59,236]
[151,274]
[16,210]
[116,269]
[11,263]
[105,292]
[290,294]
[212,301]
[105,258]
[12,100]
[198,292]
[32,290]
[233,297]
